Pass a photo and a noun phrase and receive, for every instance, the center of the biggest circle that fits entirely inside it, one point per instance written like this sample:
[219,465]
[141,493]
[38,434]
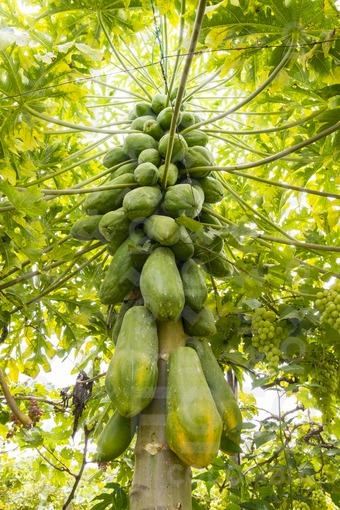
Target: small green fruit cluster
[328,302]
[267,336]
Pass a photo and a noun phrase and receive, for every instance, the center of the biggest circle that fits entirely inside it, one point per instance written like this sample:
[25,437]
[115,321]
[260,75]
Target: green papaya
[187,120]
[135,143]
[146,174]
[184,248]
[101,202]
[194,286]
[200,323]
[164,118]
[127,168]
[150,156]
[143,108]
[206,217]
[161,285]
[179,150]
[182,199]
[131,378]
[193,425]
[114,223]
[218,267]
[198,156]
[124,270]
[115,156]
[159,102]
[142,202]
[152,128]
[208,244]
[115,437]
[172,174]
[196,137]
[213,189]
[223,395]
[162,229]
[138,123]
[125,306]
[87,228]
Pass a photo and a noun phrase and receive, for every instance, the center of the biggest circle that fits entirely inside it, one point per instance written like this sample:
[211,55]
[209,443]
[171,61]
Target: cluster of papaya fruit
[158,260]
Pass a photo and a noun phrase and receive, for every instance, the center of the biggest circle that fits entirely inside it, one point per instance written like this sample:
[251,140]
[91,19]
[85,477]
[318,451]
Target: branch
[77,477]
[59,406]
[23,418]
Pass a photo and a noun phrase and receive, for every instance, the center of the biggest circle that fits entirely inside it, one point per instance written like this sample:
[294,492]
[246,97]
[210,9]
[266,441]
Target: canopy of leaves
[265,82]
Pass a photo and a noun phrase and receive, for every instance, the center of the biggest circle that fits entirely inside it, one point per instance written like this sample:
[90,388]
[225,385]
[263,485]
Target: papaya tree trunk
[161,480]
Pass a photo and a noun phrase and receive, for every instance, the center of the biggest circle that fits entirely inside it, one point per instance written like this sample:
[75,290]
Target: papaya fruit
[143,108]
[115,437]
[223,396]
[212,188]
[180,147]
[165,116]
[150,156]
[182,199]
[184,248]
[161,285]
[142,202]
[218,267]
[152,128]
[207,244]
[172,174]
[193,425]
[198,156]
[187,120]
[196,137]
[114,223]
[125,306]
[194,286]
[124,270]
[146,174]
[135,143]
[162,229]
[132,373]
[101,202]
[139,122]
[199,323]
[206,217]
[127,168]
[87,228]
[159,102]
[115,156]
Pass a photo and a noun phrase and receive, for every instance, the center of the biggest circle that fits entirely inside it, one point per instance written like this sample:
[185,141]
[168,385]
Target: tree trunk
[161,481]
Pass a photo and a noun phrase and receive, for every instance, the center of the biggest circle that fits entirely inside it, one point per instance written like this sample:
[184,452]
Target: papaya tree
[170,227]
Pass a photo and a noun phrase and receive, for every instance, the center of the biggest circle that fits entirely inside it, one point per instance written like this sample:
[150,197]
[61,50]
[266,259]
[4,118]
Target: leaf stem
[22,417]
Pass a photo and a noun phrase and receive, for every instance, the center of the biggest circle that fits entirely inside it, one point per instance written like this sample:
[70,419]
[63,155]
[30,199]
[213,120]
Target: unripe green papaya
[172,174]
[113,223]
[206,217]
[101,202]
[196,137]
[124,270]
[187,120]
[143,108]
[138,123]
[165,116]
[200,323]
[131,378]
[223,395]
[87,228]
[184,248]
[135,143]
[146,174]
[194,286]
[115,437]
[218,267]
[125,306]
[193,424]
[207,244]
[150,156]
[198,156]
[159,102]
[162,229]
[182,199]
[213,189]
[180,147]
[161,285]
[143,202]
[115,156]
[152,128]
[127,168]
